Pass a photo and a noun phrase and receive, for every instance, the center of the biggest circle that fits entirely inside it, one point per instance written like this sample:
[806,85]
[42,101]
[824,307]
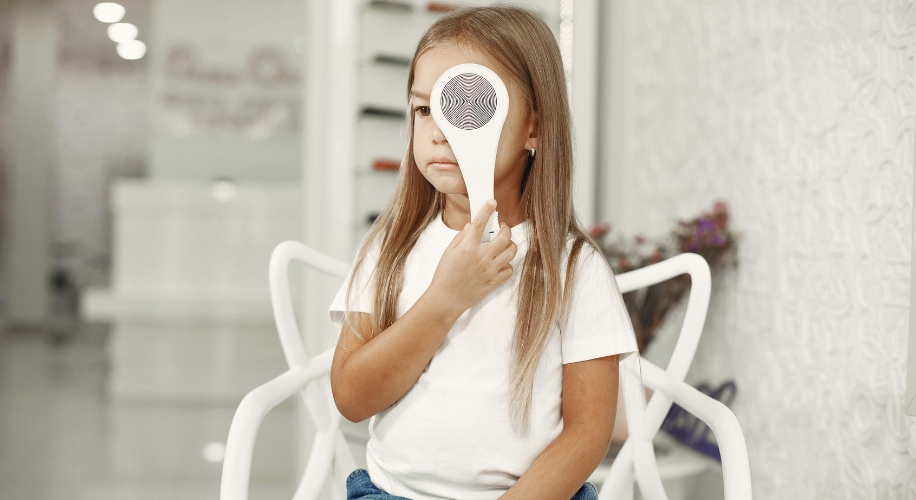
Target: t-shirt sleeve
[598,324]
[363,294]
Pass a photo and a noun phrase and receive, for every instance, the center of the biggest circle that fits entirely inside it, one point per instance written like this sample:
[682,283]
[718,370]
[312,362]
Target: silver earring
[532,153]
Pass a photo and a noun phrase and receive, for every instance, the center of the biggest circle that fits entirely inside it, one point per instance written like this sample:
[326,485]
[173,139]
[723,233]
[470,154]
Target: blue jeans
[360,487]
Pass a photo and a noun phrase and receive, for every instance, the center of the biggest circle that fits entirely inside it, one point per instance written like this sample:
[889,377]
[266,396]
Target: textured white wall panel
[801,115]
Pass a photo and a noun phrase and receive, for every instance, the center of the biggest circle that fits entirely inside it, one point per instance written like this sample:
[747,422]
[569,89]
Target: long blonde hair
[523,45]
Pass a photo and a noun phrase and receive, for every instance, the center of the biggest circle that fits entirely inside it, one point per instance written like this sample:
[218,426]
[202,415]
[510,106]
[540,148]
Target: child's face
[515,140]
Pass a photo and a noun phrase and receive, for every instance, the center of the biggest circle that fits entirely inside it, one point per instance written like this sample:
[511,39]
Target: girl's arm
[589,408]
[367,378]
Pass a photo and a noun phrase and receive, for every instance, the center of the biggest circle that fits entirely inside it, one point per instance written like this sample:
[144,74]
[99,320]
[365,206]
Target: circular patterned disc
[468,101]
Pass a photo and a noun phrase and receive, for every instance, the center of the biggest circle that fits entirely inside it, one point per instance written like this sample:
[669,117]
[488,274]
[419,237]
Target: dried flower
[705,231]
[707,235]
[599,230]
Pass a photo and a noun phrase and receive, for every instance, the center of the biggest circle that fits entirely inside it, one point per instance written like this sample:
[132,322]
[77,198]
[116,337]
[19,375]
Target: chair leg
[618,484]
[338,490]
[319,464]
[344,463]
[628,490]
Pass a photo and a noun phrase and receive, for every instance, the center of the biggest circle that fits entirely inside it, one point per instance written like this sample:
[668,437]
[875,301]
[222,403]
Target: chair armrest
[248,417]
[736,470]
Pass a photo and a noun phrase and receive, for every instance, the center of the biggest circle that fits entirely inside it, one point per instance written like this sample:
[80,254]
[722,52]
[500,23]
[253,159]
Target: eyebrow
[419,94]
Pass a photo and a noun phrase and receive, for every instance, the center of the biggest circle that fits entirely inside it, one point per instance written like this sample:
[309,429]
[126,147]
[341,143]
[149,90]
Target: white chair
[635,461]
[644,420]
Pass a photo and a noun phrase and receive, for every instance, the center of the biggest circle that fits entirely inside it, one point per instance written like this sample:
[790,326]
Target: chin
[447,184]
[451,188]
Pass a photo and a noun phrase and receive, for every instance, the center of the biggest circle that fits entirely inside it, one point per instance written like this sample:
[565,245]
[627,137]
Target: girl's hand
[469,270]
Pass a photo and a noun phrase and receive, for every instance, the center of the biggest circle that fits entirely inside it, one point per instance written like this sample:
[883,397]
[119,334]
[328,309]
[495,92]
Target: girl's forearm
[564,466]
[381,371]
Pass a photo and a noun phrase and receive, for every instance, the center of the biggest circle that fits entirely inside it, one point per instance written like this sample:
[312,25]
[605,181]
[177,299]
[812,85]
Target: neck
[457,211]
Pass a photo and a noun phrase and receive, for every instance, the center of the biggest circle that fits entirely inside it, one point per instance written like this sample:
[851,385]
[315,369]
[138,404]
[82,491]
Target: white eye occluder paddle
[469,104]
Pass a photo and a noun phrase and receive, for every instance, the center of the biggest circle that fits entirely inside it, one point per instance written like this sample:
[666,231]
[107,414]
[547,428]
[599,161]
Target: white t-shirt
[449,436]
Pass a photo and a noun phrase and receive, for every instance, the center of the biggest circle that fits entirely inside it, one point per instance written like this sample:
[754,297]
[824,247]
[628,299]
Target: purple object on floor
[690,430]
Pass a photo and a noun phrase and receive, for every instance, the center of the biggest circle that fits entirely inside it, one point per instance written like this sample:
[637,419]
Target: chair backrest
[643,421]
[636,458]
[329,446]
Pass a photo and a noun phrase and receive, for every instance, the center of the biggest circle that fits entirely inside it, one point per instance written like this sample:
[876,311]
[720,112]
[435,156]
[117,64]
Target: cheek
[418,155]
[510,149]
[417,145]
[512,137]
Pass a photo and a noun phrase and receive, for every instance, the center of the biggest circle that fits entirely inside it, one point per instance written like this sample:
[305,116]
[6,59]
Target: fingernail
[492,203]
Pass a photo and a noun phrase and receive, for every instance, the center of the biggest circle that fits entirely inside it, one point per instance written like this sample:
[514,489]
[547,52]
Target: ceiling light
[131,49]
[108,12]
[214,452]
[122,32]
[223,189]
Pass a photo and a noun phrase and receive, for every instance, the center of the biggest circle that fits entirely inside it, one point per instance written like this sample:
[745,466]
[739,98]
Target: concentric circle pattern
[468,101]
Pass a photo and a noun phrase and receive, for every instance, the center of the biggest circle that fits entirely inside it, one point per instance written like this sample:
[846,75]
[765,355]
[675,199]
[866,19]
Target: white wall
[5,125]
[102,135]
[801,115]
[32,69]
[215,111]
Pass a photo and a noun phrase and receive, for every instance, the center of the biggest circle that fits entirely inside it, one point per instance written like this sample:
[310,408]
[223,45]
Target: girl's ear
[532,141]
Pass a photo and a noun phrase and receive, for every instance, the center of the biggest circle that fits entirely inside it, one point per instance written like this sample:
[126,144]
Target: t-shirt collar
[439,229]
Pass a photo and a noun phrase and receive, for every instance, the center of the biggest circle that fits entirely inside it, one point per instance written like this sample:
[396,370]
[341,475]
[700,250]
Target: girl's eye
[423,110]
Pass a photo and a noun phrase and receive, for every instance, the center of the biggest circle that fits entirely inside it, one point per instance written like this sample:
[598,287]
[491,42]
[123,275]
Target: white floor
[68,431]
[63,437]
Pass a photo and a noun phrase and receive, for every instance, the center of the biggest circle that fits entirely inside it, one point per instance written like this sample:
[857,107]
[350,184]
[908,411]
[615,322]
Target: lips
[441,159]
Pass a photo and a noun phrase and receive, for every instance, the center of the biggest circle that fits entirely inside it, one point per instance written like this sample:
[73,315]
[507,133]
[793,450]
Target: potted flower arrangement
[707,235]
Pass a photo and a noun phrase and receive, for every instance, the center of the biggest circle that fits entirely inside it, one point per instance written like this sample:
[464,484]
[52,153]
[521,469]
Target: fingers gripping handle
[491,229]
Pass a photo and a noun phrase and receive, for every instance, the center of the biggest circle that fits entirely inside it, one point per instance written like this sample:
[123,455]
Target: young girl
[489,370]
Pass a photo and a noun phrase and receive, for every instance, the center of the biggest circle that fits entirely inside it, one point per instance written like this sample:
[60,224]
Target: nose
[438,136]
